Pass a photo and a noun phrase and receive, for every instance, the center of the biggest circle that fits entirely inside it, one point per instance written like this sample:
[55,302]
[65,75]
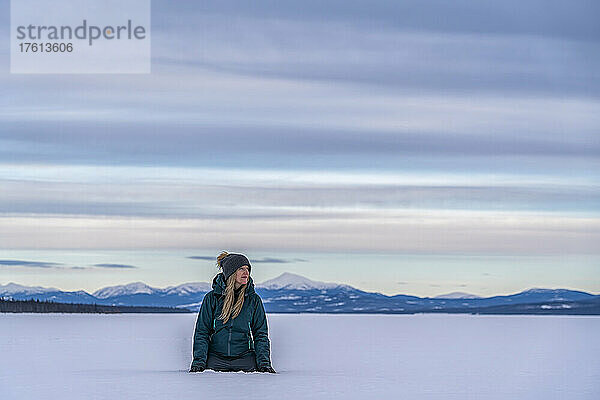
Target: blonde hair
[230,309]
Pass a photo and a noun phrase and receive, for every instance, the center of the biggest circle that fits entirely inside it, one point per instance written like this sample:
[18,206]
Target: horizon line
[337,283]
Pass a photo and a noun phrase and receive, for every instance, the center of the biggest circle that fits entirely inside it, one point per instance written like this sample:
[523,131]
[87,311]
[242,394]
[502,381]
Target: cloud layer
[401,126]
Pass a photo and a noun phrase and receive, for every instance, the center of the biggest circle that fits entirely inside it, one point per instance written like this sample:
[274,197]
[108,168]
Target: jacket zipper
[213,331]
[229,341]
[251,338]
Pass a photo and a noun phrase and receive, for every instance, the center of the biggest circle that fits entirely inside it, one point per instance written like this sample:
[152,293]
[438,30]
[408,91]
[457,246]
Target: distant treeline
[36,306]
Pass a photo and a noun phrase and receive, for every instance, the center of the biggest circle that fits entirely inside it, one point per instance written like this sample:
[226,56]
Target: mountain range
[291,293]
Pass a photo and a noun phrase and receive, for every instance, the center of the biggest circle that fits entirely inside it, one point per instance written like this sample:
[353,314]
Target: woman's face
[242,275]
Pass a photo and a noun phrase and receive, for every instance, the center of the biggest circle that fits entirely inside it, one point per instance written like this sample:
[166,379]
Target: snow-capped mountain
[294,293]
[12,288]
[189,288]
[297,282]
[457,295]
[141,288]
[20,292]
[540,295]
[553,294]
[123,290]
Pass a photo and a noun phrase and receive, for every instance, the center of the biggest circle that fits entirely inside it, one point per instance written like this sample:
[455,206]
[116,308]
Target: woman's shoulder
[210,295]
[255,298]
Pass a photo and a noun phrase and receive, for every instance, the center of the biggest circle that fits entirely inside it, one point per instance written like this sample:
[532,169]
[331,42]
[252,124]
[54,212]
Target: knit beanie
[232,262]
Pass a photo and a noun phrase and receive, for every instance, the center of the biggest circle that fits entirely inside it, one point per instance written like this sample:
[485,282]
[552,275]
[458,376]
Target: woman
[231,329]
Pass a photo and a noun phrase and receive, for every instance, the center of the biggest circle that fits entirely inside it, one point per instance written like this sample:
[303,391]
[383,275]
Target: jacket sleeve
[260,332]
[204,325]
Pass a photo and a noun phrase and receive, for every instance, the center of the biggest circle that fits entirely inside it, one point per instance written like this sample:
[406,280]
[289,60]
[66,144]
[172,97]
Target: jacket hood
[219,285]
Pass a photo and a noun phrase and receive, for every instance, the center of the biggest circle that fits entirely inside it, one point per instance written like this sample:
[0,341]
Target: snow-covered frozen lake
[142,356]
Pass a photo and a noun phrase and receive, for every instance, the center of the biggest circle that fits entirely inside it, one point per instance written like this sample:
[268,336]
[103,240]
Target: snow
[190,305]
[287,297]
[423,356]
[457,295]
[540,290]
[550,307]
[292,281]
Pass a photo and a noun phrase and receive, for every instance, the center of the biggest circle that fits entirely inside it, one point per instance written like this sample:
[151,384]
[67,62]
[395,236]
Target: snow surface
[145,356]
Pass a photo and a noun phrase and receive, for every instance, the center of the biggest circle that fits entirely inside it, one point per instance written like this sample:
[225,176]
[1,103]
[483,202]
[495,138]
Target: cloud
[264,260]
[386,125]
[32,264]
[337,86]
[37,264]
[407,230]
[404,45]
[502,106]
[208,258]
[269,260]
[53,265]
[402,283]
[115,266]
[282,195]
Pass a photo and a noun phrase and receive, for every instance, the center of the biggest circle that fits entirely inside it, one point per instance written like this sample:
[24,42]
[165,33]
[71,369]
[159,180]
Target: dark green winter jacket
[246,333]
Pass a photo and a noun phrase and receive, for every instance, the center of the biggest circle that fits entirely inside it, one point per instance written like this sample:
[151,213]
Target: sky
[457,145]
